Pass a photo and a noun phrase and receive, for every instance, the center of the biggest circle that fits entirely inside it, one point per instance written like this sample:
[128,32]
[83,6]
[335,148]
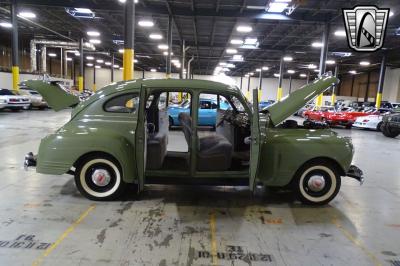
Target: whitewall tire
[99,178]
[317,183]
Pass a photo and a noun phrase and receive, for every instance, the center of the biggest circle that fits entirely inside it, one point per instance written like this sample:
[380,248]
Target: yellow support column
[80,84]
[128,64]
[319,100]
[259,95]
[333,99]
[94,87]
[15,77]
[279,94]
[378,100]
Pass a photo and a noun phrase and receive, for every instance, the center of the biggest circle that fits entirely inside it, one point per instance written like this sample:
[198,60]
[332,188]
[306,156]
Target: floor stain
[389,253]
[101,237]
[325,235]
[165,242]
[125,207]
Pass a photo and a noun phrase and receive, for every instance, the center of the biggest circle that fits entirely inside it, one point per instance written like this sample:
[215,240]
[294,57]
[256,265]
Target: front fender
[58,152]
[284,151]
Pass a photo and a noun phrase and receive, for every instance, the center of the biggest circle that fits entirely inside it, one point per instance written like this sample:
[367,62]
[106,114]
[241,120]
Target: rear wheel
[317,183]
[99,177]
[379,126]
[389,132]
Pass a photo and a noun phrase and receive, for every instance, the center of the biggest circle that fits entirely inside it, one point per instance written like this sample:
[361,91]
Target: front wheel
[317,183]
[388,131]
[99,177]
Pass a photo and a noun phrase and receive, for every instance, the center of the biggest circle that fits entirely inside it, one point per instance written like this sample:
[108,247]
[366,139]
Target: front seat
[214,151]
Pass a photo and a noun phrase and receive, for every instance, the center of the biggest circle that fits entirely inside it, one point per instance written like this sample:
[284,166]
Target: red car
[330,116]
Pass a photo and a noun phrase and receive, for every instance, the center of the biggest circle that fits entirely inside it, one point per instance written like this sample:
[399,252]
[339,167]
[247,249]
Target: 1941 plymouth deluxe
[119,135]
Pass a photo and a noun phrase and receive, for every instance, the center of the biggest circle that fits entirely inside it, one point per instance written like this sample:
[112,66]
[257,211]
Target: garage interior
[88,44]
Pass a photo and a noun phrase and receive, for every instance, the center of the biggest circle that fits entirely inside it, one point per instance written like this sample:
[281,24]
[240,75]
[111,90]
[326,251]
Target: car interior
[223,148]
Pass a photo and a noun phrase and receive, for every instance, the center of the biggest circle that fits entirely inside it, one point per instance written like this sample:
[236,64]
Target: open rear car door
[255,144]
[141,140]
[55,96]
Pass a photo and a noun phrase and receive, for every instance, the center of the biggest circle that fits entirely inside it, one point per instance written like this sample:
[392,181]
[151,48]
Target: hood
[290,104]
[55,96]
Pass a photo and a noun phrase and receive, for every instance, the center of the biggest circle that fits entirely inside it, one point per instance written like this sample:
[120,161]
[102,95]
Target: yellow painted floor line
[356,242]
[213,239]
[69,230]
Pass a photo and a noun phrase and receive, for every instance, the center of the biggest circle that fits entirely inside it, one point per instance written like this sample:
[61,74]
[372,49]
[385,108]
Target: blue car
[264,104]
[207,111]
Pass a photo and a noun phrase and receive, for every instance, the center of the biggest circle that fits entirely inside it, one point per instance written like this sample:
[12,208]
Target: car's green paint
[57,99]
[281,151]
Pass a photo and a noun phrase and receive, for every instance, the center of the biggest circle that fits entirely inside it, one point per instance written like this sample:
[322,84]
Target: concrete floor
[45,221]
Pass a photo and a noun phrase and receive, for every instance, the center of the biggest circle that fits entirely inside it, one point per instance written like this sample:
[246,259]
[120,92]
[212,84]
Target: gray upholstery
[214,151]
[157,143]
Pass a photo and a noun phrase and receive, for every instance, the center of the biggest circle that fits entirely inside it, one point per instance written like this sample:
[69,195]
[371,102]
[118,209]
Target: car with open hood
[118,136]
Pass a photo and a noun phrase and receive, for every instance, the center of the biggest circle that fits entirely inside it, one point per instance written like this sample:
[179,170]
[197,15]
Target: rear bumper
[356,173]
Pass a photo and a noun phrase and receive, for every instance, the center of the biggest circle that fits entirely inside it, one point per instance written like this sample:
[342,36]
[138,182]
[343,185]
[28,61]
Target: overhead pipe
[188,67]
[51,43]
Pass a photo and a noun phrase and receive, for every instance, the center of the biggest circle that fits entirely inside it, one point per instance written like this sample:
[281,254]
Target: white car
[35,98]
[11,100]
[369,122]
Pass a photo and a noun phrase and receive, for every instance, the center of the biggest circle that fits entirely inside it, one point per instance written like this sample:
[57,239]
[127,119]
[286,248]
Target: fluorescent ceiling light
[146,23]
[108,63]
[155,36]
[162,46]
[231,51]
[237,41]
[265,68]
[250,41]
[135,61]
[5,24]
[77,53]
[312,66]
[340,33]
[258,69]
[275,7]
[52,55]
[27,14]
[290,71]
[115,66]
[94,41]
[121,68]
[123,1]
[93,33]
[237,58]
[69,59]
[251,73]
[276,75]
[317,44]
[81,12]
[288,58]
[153,70]
[121,51]
[246,76]
[97,66]
[365,63]
[89,64]
[342,54]
[353,72]
[222,64]
[316,70]
[330,62]
[243,28]
[100,61]
[303,75]
[89,57]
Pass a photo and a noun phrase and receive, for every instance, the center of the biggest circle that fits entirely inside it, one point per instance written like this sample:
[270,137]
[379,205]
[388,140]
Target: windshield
[6,92]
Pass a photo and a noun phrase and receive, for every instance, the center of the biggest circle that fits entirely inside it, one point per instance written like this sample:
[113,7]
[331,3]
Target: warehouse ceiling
[208,26]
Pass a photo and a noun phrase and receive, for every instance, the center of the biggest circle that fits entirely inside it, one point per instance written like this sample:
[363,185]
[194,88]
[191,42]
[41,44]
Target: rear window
[126,103]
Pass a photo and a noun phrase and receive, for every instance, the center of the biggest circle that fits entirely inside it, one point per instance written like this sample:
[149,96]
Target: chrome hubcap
[316,183]
[101,177]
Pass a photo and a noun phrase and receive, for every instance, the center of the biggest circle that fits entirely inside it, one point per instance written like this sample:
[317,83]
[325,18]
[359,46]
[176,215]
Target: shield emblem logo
[366,27]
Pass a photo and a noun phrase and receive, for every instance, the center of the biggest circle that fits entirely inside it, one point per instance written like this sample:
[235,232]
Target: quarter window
[126,103]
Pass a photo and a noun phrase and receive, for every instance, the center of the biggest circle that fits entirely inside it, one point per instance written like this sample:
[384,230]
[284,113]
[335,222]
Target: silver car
[35,98]
[11,100]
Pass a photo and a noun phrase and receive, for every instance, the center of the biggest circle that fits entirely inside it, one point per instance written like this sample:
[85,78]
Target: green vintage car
[119,136]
